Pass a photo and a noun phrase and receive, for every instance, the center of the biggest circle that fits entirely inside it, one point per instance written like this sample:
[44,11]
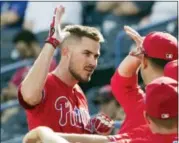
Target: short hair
[25,36]
[160,63]
[164,123]
[84,31]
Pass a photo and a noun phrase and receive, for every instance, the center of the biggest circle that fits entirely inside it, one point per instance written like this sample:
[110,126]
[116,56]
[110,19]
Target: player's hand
[32,136]
[138,51]
[39,134]
[56,36]
[43,134]
[102,124]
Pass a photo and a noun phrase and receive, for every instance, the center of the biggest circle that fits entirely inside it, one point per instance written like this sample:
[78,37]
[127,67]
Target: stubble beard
[77,76]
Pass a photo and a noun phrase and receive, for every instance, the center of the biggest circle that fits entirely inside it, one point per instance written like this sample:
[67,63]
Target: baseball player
[55,100]
[153,52]
[160,113]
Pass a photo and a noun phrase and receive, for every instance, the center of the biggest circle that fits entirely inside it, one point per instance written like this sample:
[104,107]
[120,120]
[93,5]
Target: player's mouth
[89,70]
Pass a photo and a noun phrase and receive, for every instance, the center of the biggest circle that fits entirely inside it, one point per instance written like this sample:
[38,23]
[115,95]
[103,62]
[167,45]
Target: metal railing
[9,104]
[16,65]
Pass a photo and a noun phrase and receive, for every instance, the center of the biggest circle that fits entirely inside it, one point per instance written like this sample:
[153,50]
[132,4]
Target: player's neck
[165,131]
[63,74]
[155,74]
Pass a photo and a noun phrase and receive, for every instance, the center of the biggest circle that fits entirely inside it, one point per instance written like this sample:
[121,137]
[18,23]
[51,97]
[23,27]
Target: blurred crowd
[25,25]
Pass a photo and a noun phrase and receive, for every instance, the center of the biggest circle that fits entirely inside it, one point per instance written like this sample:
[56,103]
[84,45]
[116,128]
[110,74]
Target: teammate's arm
[84,138]
[47,135]
[33,84]
[124,82]
[43,135]
[130,65]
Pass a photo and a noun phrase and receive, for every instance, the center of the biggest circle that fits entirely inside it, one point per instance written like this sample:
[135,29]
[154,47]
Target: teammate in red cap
[160,112]
[171,69]
[153,52]
[55,100]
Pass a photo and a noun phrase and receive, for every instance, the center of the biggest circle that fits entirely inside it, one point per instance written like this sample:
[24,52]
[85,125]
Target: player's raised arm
[124,82]
[33,84]
[129,66]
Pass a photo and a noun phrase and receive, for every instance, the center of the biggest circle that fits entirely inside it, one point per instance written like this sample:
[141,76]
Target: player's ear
[144,62]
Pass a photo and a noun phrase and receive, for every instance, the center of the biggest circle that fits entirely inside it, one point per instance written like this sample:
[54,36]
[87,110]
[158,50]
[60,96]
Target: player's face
[83,59]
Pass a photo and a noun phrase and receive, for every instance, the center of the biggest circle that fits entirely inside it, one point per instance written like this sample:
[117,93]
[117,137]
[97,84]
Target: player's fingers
[29,139]
[137,40]
[137,53]
[134,37]
[129,29]
[59,11]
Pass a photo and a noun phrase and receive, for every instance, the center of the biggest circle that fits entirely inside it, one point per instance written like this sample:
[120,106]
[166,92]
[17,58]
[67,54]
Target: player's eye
[87,54]
[96,56]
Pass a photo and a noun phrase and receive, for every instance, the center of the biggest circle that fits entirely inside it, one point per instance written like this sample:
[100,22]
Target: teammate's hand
[56,36]
[32,136]
[43,134]
[102,124]
[138,40]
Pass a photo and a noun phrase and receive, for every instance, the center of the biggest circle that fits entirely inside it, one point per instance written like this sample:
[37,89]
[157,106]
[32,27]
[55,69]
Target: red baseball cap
[161,100]
[171,69]
[161,45]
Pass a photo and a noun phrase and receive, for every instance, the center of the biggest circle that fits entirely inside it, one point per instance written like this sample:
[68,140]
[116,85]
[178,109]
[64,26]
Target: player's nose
[93,61]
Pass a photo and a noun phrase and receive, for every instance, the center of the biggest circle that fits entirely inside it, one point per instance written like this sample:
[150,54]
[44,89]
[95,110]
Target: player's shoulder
[50,78]
[78,89]
[54,81]
[80,92]
[142,131]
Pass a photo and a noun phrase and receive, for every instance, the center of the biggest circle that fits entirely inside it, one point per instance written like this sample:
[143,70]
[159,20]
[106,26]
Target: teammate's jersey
[130,96]
[143,134]
[63,108]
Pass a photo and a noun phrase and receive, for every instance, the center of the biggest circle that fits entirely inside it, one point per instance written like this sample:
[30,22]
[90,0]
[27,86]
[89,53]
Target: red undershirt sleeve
[126,91]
